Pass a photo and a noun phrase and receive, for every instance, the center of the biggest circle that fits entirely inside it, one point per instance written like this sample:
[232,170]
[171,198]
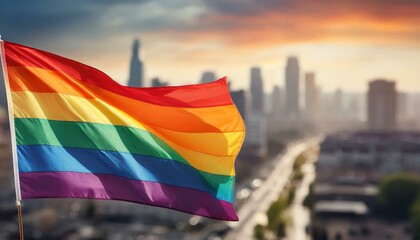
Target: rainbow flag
[79,134]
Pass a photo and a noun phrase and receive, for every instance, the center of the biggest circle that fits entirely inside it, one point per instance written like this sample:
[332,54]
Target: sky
[345,42]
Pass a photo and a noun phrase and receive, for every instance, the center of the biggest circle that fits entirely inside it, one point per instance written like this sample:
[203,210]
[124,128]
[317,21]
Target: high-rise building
[292,86]
[256,135]
[382,105]
[136,67]
[239,98]
[311,95]
[277,105]
[156,82]
[208,77]
[257,92]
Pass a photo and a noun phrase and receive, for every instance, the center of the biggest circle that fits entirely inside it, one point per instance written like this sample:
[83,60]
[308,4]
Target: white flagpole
[12,137]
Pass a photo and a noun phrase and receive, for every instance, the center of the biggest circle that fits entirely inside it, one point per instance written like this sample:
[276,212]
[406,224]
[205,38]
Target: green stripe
[35,131]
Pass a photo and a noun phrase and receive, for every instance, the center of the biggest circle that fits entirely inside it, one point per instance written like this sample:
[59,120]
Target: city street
[299,214]
[253,211]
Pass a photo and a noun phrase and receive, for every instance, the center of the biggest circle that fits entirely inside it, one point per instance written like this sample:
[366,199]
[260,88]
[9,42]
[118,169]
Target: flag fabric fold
[79,134]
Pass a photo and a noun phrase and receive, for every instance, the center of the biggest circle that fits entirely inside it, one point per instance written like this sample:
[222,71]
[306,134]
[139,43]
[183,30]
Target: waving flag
[79,134]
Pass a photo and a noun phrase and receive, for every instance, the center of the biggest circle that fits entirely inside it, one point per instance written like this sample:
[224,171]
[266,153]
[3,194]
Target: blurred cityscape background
[329,92]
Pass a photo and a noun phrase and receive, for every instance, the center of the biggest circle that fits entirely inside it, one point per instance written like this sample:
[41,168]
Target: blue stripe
[45,158]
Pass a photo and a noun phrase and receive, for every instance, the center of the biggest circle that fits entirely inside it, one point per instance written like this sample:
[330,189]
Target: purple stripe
[104,186]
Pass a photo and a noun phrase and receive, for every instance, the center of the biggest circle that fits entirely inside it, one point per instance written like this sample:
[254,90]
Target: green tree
[415,217]
[309,200]
[291,195]
[398,192]
[259,232]
[276,211]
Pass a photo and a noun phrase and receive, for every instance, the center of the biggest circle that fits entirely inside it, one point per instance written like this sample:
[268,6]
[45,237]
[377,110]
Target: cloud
[235,23]
[25,21]
[310,7]
[199,32]
[253,22]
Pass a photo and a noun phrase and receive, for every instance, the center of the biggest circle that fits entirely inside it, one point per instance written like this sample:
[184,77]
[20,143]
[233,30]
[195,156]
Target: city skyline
[347,43]
[316,123]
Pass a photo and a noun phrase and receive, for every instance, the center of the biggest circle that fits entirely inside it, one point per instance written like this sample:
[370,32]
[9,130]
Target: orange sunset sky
[346,43]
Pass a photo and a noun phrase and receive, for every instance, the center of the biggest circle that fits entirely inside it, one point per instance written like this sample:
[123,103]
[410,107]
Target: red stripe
[194,96]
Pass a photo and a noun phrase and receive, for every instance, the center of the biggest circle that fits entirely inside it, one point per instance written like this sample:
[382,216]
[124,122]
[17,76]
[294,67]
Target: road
[300,215]
[253,211]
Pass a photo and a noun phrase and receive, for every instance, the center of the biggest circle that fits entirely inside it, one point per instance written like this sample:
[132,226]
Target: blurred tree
[259,232]
[415,218]
[276,216]
[309,200]
[398,192]
[281,229]
[291,194]
[275,212]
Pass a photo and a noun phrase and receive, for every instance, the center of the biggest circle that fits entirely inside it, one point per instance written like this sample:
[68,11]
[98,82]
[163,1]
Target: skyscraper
[311,95]
[208,77]
[156,82]
[292,86]
[277,101]
[257,92]
[136,67]
[382,105]
[239,98]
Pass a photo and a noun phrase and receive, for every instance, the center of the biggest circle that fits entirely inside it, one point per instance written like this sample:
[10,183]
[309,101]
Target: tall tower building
[382,105]
[292,86]
[239,98]
[257,92]
[277,101]
[136,67]
[311,95]
[208,77]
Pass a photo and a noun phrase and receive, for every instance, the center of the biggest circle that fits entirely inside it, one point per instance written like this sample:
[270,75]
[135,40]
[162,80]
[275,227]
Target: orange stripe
[209,119]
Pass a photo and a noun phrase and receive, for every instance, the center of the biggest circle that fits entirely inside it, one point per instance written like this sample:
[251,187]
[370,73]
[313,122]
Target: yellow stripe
[222,144]
[71,108]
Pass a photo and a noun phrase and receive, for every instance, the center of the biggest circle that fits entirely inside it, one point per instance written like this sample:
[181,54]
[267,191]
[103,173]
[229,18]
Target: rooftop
[354,207]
